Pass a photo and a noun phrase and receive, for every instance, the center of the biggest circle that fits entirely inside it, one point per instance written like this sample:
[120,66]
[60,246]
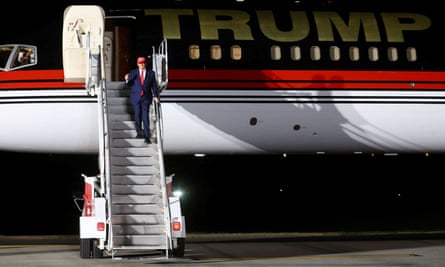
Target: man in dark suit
[144,90]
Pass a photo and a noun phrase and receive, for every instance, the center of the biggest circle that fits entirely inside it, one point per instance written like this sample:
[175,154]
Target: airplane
[244,77]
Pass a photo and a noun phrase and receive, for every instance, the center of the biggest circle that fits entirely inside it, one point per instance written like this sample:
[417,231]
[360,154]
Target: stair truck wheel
[89,249]
[97,253]
[85,248]
[179,251]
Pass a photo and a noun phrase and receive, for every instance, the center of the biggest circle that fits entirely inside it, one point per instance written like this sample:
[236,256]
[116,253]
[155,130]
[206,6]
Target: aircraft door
[82,36]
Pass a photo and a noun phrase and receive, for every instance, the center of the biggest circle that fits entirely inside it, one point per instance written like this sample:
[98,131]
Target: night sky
[244,193]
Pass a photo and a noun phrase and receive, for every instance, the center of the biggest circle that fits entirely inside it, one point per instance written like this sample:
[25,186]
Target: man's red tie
[142,82]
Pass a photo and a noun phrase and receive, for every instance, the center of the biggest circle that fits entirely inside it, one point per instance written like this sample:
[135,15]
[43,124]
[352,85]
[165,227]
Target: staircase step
[140,240]
[140,170]
[121,117]
[139,230]
[133,219]
[119,161]
[133,151]
[135,189]
[134,179]
[127,142]
[122,125]
[115,86]
[117,134]
[136,209]
[118,101]
[136,199]
[120,109]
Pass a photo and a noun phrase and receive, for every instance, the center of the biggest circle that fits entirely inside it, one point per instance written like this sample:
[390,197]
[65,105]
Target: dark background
[229,193]
[268,193]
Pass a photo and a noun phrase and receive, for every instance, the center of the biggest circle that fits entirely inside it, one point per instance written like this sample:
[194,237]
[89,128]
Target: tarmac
[226,249]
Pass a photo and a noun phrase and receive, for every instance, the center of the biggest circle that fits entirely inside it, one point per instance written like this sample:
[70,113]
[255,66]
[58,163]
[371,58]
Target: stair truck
[122,213]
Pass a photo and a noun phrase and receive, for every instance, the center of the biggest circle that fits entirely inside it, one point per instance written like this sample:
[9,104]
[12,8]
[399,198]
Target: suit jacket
[150,86]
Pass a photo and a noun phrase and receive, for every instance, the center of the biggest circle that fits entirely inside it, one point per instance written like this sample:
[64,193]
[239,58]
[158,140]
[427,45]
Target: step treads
[146,150]
[135,189]
[118,101]
[135,179]
[127,142]
[121,117]
[137,209]
[134,219]
[136,199]
[140,170]
[120,109]
[140,240]
[130,160]
[139,230]
[122,125]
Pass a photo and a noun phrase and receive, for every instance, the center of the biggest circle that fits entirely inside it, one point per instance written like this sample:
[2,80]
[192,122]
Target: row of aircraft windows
[392,53]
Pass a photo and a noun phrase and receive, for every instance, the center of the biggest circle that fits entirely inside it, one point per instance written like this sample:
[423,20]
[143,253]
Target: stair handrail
[107,161]
[159,136]
[103,135]
[163,181]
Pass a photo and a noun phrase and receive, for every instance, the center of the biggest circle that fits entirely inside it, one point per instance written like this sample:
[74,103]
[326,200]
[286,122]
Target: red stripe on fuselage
[30,75]
[304,85]
[306,75]
[36,79]
[306,79]
[251,79]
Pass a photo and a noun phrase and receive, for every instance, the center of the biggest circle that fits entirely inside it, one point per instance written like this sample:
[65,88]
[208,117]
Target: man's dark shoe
[139,136]
[147,141]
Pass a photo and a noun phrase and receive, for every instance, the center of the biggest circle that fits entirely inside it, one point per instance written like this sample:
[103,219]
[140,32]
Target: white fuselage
[253,122]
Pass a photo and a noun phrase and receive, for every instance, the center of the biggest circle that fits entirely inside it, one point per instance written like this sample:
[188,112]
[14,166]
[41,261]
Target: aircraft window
[5,52]
[215,52]
[25,56]
[275,52]
[373,54]
[194,52]
[295,53]
[411,54]
[392,54]
[235,52]
[334,53]
[354,54]
[17,56]
[315,53]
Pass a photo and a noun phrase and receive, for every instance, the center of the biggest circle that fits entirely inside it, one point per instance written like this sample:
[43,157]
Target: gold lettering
[211,21]
[170,20]
[394,27]
[300,26]
[348,32]
[327,24]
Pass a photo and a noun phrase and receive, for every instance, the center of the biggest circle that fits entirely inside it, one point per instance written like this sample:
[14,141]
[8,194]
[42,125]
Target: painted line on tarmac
[361,256]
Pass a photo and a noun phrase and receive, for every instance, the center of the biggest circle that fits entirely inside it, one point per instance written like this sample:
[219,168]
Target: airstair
[127,208]
[139,204]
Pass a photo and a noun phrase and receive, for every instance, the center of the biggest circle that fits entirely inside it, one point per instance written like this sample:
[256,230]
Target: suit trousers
[142,118]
